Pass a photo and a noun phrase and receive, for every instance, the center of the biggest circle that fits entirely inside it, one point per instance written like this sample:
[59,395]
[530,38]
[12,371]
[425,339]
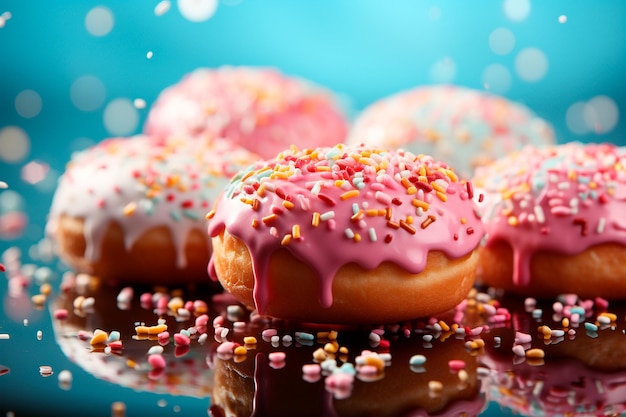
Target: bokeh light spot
[139,103]
[14,144]
[87,93]
[434,13]
[575,120]
[34,172]
[517,10]
[4,17]
[99,21]
[497,78]
[443,71]
[531,64]
[11,200]
[601,114]
[562,19]
[28,104]
[197,10]
[120,117]
[501,41]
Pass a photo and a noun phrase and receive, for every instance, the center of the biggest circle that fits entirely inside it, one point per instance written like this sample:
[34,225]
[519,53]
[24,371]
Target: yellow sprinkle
[130,208]
[411,190]
[535,353]
[159,328]
[343,350]
[38,299]
[210,214]
[316,219]
[279,175]
[332,335]
[419,203]
[240,350]
[269,218]
[444,326]
[331,347]
[406,183]
[375,361]
[322,168]
[437,187]
[350,194]
[371,212]
[250,340]
[319,355]
[357,237]
[593,185]
[288,204]
[565,322]
[99,337]
[295,231]
[512,220]
[247,175]
[131,363]
[442,196]
[339,183]
[286,239]
[611,316]
[452,175]
[409,219]
[261,190]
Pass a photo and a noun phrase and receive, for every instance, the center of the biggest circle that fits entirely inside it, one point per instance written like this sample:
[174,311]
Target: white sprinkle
[3,185]
[5,336]
[372,234]
[540,214]
[39,335]
[601,224]
[327,216]
[149,55]
[349,233]
[45,370]
[155,350]
[564,185]
[65,379]
[25,322]
[162,8]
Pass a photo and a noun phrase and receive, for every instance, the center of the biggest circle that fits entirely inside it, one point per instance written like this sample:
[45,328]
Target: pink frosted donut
[346,235]
[465,128]
[258,108]
[130,210]
[555,221]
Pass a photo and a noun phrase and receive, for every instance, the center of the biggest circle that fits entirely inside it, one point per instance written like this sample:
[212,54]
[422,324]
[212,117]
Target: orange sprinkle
[256,205]
[269,218]
[406,226]
[255,223]
[371,212]
[411,190]
[210,214]
[240,350]
[261,190]
[419,203]
[388,213]
[357,237]
[444,326]
[437,187]
[406,182]
[535,353]
[357,216]
[512,220]
[463,220]
[286,239]
[428,221]
[130,209]
[350,194]
[295,231]
[247,175]
[315,221]
[339,183]
[442,196]
[409,219]
[286,204]
[393,224]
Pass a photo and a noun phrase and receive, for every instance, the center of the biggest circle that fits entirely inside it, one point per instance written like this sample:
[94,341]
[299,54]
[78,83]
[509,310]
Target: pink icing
[463,127]
[141,185]
[259,108]
[562,199]
[373,206]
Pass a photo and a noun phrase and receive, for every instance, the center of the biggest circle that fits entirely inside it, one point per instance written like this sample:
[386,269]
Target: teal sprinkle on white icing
[190,214]
[147,206]
[174,214]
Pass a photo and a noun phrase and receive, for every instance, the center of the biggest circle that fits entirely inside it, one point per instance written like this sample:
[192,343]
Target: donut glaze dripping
[562,199]
[139,185]
[333,206]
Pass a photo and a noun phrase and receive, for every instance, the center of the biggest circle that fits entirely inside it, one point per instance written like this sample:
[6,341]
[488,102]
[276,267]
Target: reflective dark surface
[583,371]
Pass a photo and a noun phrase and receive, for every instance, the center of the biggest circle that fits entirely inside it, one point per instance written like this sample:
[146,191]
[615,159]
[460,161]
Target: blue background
[363,50]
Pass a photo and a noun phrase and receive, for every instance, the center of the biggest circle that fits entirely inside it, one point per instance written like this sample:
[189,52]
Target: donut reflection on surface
[154,342]
[305,370]
[573,363]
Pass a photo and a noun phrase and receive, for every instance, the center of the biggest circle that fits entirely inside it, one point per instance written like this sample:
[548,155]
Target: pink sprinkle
[379,332]
[456,364]
[164,338]
[311,369]
[2,268]
[189,306]
[476,331]
[489,309]
[84,335]
[268,333]
[156,361]
[162,303]
[339,380]
[226,347]
[587,304]
[521,338]
[557,307]
[202,320]
[601,303]
[146,300]
[519,350]
[570,299]
[575,317]
[367,370]
[277,356]
[181,339]
[218,321]
[61,314]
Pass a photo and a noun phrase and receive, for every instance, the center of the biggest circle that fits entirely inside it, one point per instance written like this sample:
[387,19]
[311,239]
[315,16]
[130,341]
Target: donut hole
[384,294]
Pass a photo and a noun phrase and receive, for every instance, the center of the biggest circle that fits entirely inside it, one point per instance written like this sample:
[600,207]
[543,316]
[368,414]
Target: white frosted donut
[465,128]
[130,210]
